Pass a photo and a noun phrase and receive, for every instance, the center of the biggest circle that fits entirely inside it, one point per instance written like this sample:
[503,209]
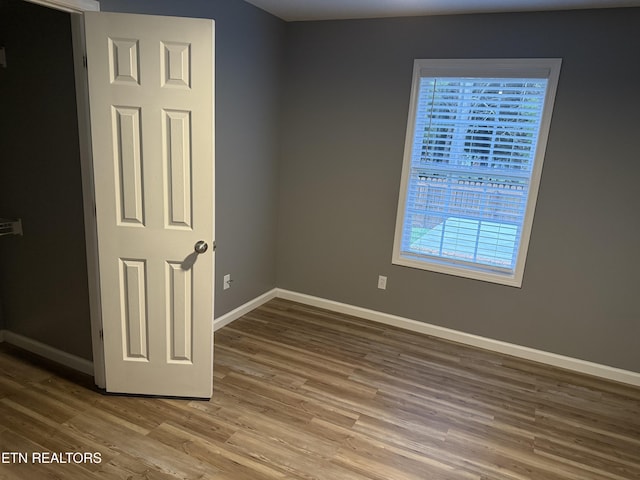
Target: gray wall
[344,119]
[249,55]
[43,275]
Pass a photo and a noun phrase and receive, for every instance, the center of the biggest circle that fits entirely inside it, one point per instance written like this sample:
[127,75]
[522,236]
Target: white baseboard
[553,359]
[527,353]
[48,352]
[85,366]
[227,318]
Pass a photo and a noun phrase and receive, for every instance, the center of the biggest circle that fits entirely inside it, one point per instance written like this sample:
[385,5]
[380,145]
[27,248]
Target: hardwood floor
[301,393]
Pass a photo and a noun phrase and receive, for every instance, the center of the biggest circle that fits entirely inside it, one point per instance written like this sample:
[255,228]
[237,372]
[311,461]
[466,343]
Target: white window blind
[468,173]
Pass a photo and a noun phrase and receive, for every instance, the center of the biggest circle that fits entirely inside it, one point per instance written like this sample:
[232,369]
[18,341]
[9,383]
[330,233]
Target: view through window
[475,144]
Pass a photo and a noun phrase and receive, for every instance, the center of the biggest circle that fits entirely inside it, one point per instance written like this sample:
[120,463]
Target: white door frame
[71,6]
[76,9]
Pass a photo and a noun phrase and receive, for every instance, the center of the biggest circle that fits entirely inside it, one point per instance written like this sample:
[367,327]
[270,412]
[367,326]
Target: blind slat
[473,152]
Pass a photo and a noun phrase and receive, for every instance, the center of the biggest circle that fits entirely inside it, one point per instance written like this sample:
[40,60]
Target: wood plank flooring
[302,393]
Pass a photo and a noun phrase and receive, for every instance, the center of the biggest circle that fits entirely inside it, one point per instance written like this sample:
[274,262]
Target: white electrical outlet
[382,282]
[226,282]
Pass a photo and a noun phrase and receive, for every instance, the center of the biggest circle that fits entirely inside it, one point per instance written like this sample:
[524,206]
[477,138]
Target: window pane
[474,147]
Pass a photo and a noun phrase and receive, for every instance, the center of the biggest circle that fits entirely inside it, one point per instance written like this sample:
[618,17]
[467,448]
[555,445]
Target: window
[476,137]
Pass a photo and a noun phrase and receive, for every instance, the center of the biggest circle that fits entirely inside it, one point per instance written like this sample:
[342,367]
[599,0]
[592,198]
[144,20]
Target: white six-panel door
[151,103]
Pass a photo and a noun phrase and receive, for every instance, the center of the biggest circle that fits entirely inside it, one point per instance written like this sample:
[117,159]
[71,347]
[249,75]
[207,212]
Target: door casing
[76,8]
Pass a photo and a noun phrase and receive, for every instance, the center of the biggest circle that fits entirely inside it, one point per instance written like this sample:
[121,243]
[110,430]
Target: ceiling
[297,10]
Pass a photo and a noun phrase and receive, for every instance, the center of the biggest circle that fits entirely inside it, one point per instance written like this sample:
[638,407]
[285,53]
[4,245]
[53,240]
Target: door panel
[128,164]
[151,102]
[177,168]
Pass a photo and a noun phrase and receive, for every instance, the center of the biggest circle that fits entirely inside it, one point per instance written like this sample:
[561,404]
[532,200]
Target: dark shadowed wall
[43,274]
[344,119]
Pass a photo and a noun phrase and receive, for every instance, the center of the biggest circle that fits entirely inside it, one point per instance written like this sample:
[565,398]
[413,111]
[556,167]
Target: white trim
[227,318]
[88,196]
[71,6]
[48,352]
[553,359]
[519,351]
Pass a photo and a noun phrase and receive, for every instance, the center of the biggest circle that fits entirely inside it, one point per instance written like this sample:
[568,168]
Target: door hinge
[214,246]
[101,335]
[84,61]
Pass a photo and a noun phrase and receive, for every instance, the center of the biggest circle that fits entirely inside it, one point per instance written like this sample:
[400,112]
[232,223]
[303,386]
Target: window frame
[548,68]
